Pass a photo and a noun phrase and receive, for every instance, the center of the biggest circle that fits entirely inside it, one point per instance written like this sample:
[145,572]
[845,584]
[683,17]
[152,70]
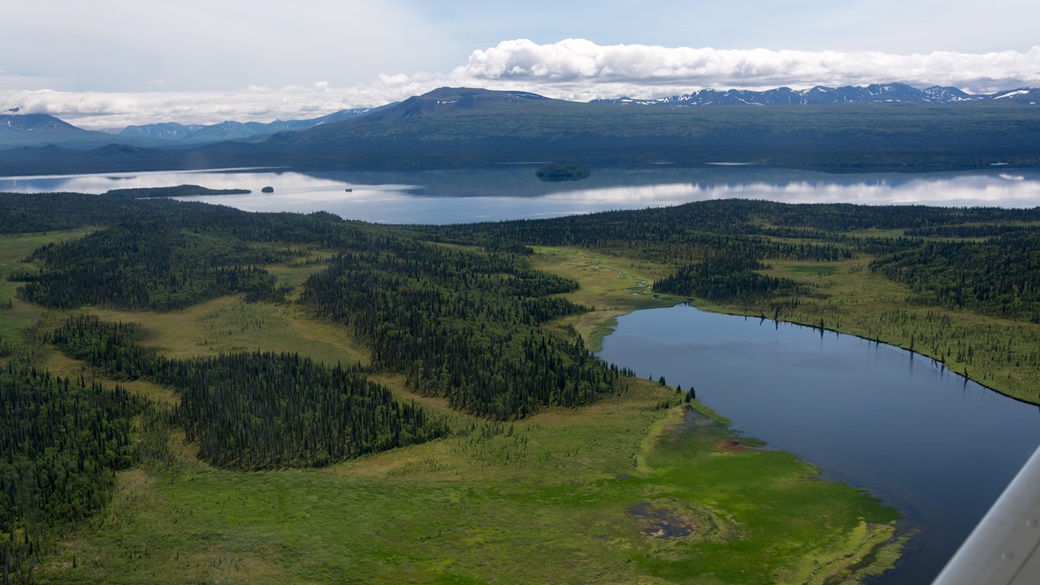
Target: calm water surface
[936,446]
[513,191]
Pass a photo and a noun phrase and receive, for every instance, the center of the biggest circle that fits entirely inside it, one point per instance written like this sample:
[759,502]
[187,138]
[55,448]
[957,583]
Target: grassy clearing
[229,324]
[610,285]
[58,364]
[557,498]
[14,322]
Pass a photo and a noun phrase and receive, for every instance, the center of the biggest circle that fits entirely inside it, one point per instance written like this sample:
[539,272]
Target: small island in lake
[557,173]
[177,191]
[268,189]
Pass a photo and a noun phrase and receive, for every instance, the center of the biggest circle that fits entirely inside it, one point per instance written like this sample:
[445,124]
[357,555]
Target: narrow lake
[936,446]
[514,192]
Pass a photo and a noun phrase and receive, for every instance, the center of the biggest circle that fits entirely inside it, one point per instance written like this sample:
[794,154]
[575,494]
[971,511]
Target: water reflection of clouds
[425,198]
[100,183]
[211,179]
[1003,191]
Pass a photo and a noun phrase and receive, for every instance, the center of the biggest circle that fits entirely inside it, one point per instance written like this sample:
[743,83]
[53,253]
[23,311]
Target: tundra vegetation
[201,394]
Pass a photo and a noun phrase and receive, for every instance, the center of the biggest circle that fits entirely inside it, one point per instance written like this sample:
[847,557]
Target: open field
[229,324]
[13,250]
[610,285]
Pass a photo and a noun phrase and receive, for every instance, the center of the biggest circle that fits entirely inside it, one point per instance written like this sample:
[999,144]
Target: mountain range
[820,95]
[466,127]
[231,130]
[17,129]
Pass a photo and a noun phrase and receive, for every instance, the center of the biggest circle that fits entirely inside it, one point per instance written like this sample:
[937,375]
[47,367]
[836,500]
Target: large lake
[513,191]
[935,445]
[927,441]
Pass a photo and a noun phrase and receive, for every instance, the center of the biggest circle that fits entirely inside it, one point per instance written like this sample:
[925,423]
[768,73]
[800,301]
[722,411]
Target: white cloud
[578,61]
[98,110]
[574,69]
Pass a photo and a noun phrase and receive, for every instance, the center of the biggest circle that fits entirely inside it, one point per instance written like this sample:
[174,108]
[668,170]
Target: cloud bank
[573,69]
[650,69]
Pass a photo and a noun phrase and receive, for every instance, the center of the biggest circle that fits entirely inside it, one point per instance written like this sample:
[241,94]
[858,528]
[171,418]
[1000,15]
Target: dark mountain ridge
[17,129]
[465,127]
[232,130]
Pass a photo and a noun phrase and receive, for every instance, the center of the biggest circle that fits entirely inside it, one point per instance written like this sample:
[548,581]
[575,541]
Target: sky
[111,63]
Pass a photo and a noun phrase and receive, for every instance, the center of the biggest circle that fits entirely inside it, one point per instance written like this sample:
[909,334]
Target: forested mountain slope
[462,127]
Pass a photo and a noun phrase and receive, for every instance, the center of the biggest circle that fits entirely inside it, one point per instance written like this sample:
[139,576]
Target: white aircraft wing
[1004,549]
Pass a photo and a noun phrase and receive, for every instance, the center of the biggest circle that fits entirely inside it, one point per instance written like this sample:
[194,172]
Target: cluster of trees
[462,324]
[61,443]
[686,233]
[727,278]
[834,223]
[22,213]
[997,276]
[717,246]
[176,191]
[146,265]
[260,410]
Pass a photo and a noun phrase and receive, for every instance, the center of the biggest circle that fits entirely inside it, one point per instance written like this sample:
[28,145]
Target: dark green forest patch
[260,410]
[560,173]
[176,191]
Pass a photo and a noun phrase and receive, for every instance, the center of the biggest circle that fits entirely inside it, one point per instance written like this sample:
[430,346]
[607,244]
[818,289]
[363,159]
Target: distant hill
[463,126]
[230,130]
[466,127]
[41,129]
[17,130]
[820,95]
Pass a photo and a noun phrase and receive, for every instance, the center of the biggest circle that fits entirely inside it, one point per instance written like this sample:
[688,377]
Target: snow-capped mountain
[820,95]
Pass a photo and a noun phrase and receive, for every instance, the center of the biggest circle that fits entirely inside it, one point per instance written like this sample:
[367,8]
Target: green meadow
[621,492]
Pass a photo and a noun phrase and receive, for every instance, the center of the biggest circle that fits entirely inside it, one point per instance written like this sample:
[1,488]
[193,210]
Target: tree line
[61,443]
[462,324]
[259,410]
[727,278]
[998,276]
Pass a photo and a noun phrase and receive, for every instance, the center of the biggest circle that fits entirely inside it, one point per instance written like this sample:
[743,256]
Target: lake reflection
[513,192]
[938,447]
